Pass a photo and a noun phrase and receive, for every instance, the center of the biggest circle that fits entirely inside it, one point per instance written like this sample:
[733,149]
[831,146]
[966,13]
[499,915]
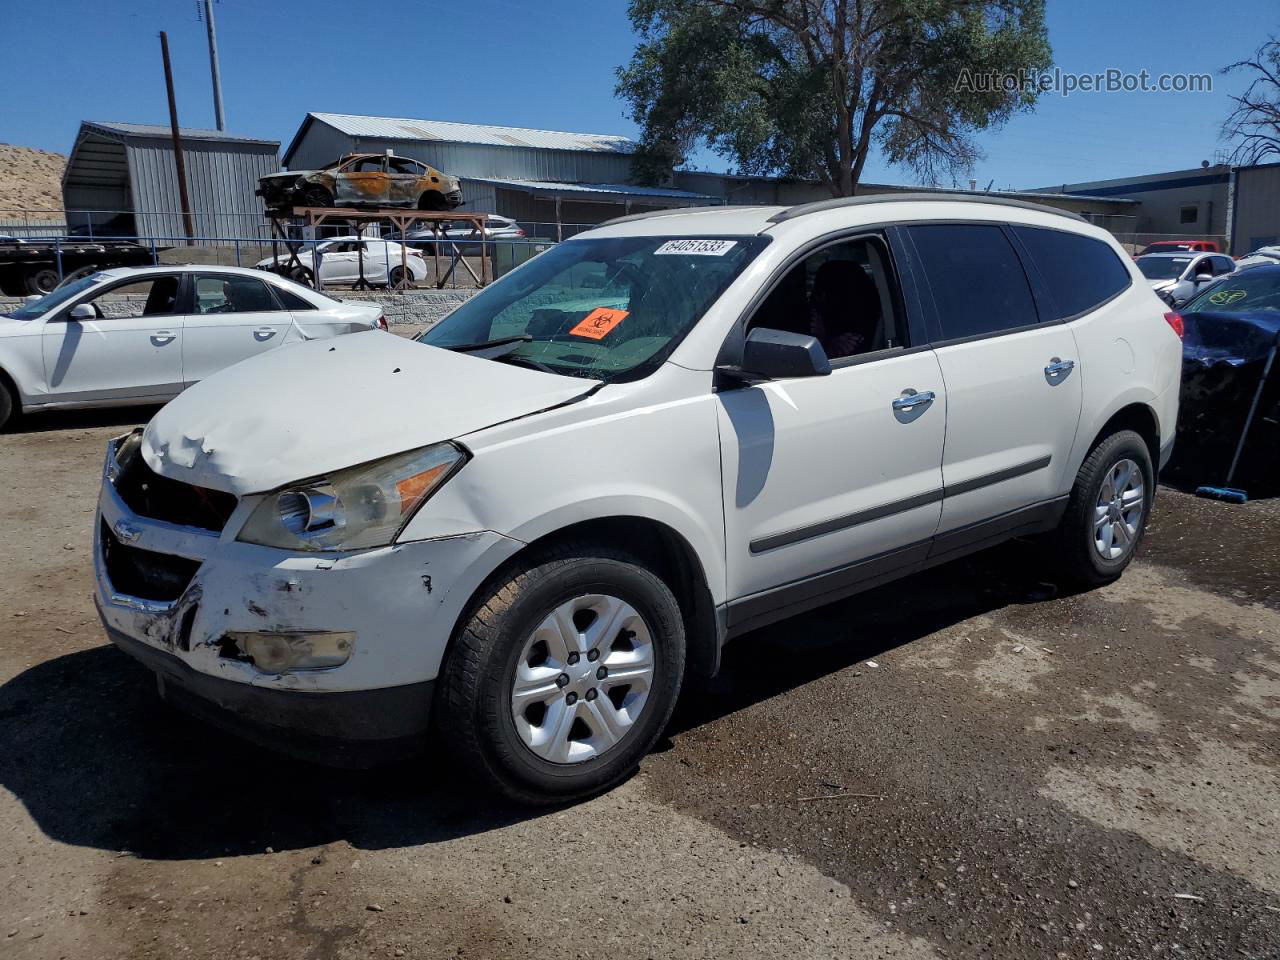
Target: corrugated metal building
[1191,202]
[536,176]
[546,178]
[129,168]
[1255,207]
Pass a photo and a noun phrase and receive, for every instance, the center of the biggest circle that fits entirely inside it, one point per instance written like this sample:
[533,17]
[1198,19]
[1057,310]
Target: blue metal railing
[442,262]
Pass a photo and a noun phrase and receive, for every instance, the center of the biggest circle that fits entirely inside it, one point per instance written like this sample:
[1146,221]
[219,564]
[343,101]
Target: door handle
[911,399]
[161,337]
[1059,368]
[264,333]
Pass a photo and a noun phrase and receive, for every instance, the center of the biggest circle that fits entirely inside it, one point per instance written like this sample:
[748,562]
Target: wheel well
[667,554]
[1139,418]
[432,199]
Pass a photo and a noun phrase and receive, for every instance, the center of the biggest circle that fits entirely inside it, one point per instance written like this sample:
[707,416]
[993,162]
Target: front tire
[9,406]
[563,676]
[1106,515]
[317,197]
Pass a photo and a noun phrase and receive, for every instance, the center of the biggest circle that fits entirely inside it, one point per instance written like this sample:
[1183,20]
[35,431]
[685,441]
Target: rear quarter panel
[1129,354]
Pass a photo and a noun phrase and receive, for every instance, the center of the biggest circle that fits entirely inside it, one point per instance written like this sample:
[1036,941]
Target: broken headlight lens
[352,509]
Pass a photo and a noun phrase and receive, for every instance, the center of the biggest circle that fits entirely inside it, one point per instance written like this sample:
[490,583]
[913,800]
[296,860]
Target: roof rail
[839,202]
[664,212]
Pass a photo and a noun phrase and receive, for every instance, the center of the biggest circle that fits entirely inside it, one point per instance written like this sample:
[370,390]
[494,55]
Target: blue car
[1229,328]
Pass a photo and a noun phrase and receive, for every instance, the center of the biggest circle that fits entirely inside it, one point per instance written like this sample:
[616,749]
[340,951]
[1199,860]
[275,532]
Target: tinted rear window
[976,279]
[1080,272]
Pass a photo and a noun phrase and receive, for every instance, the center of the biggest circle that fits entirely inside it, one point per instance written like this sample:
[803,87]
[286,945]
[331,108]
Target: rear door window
[976,279]
[1081,273]
[222,293]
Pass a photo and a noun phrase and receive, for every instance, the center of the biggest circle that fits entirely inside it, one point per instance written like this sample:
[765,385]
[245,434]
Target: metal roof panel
[405,128]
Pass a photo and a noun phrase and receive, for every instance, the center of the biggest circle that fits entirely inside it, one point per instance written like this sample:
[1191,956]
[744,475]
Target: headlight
[352,509]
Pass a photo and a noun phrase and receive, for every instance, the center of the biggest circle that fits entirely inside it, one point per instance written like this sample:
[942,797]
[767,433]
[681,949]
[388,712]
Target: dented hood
[311,408]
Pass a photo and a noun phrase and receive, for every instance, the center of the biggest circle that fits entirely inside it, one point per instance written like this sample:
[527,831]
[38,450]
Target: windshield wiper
[524,362]
[496,342]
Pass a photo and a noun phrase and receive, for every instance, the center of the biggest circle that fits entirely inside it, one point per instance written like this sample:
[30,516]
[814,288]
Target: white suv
[523,529]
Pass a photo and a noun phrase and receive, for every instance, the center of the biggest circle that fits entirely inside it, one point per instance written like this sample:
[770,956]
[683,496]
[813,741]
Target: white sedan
[341,259]
[143,335]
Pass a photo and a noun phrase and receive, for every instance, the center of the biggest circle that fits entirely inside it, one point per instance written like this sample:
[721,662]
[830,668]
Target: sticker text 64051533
[701,248]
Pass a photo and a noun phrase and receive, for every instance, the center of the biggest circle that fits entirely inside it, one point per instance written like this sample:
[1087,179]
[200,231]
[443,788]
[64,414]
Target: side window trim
[1046,307]
[921,325]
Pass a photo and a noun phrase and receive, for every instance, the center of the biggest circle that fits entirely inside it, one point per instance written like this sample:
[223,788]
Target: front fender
[619,453]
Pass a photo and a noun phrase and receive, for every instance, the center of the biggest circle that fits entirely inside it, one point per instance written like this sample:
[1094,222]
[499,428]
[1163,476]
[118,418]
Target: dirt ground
[963,765]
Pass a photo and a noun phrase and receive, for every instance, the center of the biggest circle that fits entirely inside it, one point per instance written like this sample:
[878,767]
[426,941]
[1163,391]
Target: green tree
[808,88]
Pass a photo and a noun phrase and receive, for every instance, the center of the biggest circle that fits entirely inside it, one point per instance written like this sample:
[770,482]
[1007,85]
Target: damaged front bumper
[172,596]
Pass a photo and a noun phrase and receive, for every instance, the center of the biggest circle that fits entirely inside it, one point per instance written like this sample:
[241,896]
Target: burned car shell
[363,179]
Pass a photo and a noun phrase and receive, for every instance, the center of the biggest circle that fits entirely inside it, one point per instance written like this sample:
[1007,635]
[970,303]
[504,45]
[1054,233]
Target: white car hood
[311,408]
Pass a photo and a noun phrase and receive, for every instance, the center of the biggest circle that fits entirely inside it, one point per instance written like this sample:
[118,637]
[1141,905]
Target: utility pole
[187,223]
[213,65]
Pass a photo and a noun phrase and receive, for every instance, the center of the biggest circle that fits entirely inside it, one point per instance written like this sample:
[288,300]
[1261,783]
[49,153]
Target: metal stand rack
[284,228]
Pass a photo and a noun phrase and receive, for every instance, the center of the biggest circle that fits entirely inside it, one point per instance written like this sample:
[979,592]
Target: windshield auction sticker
[599,323]
[701,248]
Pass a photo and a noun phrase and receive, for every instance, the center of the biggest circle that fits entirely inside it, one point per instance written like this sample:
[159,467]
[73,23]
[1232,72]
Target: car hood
[286,174]
[312,408]
[1163,284]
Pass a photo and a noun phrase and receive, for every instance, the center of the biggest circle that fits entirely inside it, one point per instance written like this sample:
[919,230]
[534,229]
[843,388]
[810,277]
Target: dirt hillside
[30,179]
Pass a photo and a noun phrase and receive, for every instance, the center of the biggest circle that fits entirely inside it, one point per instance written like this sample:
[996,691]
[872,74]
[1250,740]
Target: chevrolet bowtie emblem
[126,531]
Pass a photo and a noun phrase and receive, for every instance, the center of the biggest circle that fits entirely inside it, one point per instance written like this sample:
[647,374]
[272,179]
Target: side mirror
[82,311]
[777,354]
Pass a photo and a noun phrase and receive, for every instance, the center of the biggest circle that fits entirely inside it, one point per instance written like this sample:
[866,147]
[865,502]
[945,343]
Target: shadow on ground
[789,654]
[99,761]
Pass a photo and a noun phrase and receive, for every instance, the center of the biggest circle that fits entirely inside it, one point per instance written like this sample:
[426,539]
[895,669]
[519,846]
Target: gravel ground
[963,765]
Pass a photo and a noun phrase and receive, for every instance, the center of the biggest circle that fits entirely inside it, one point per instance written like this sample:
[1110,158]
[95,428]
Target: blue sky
[551,65]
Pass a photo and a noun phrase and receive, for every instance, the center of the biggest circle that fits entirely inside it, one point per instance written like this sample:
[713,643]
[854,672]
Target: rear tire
[1106,515]
[41,282]
[555,738]
[394,277]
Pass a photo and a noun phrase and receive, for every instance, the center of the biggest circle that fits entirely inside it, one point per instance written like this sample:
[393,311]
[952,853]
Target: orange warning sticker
[599,322]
